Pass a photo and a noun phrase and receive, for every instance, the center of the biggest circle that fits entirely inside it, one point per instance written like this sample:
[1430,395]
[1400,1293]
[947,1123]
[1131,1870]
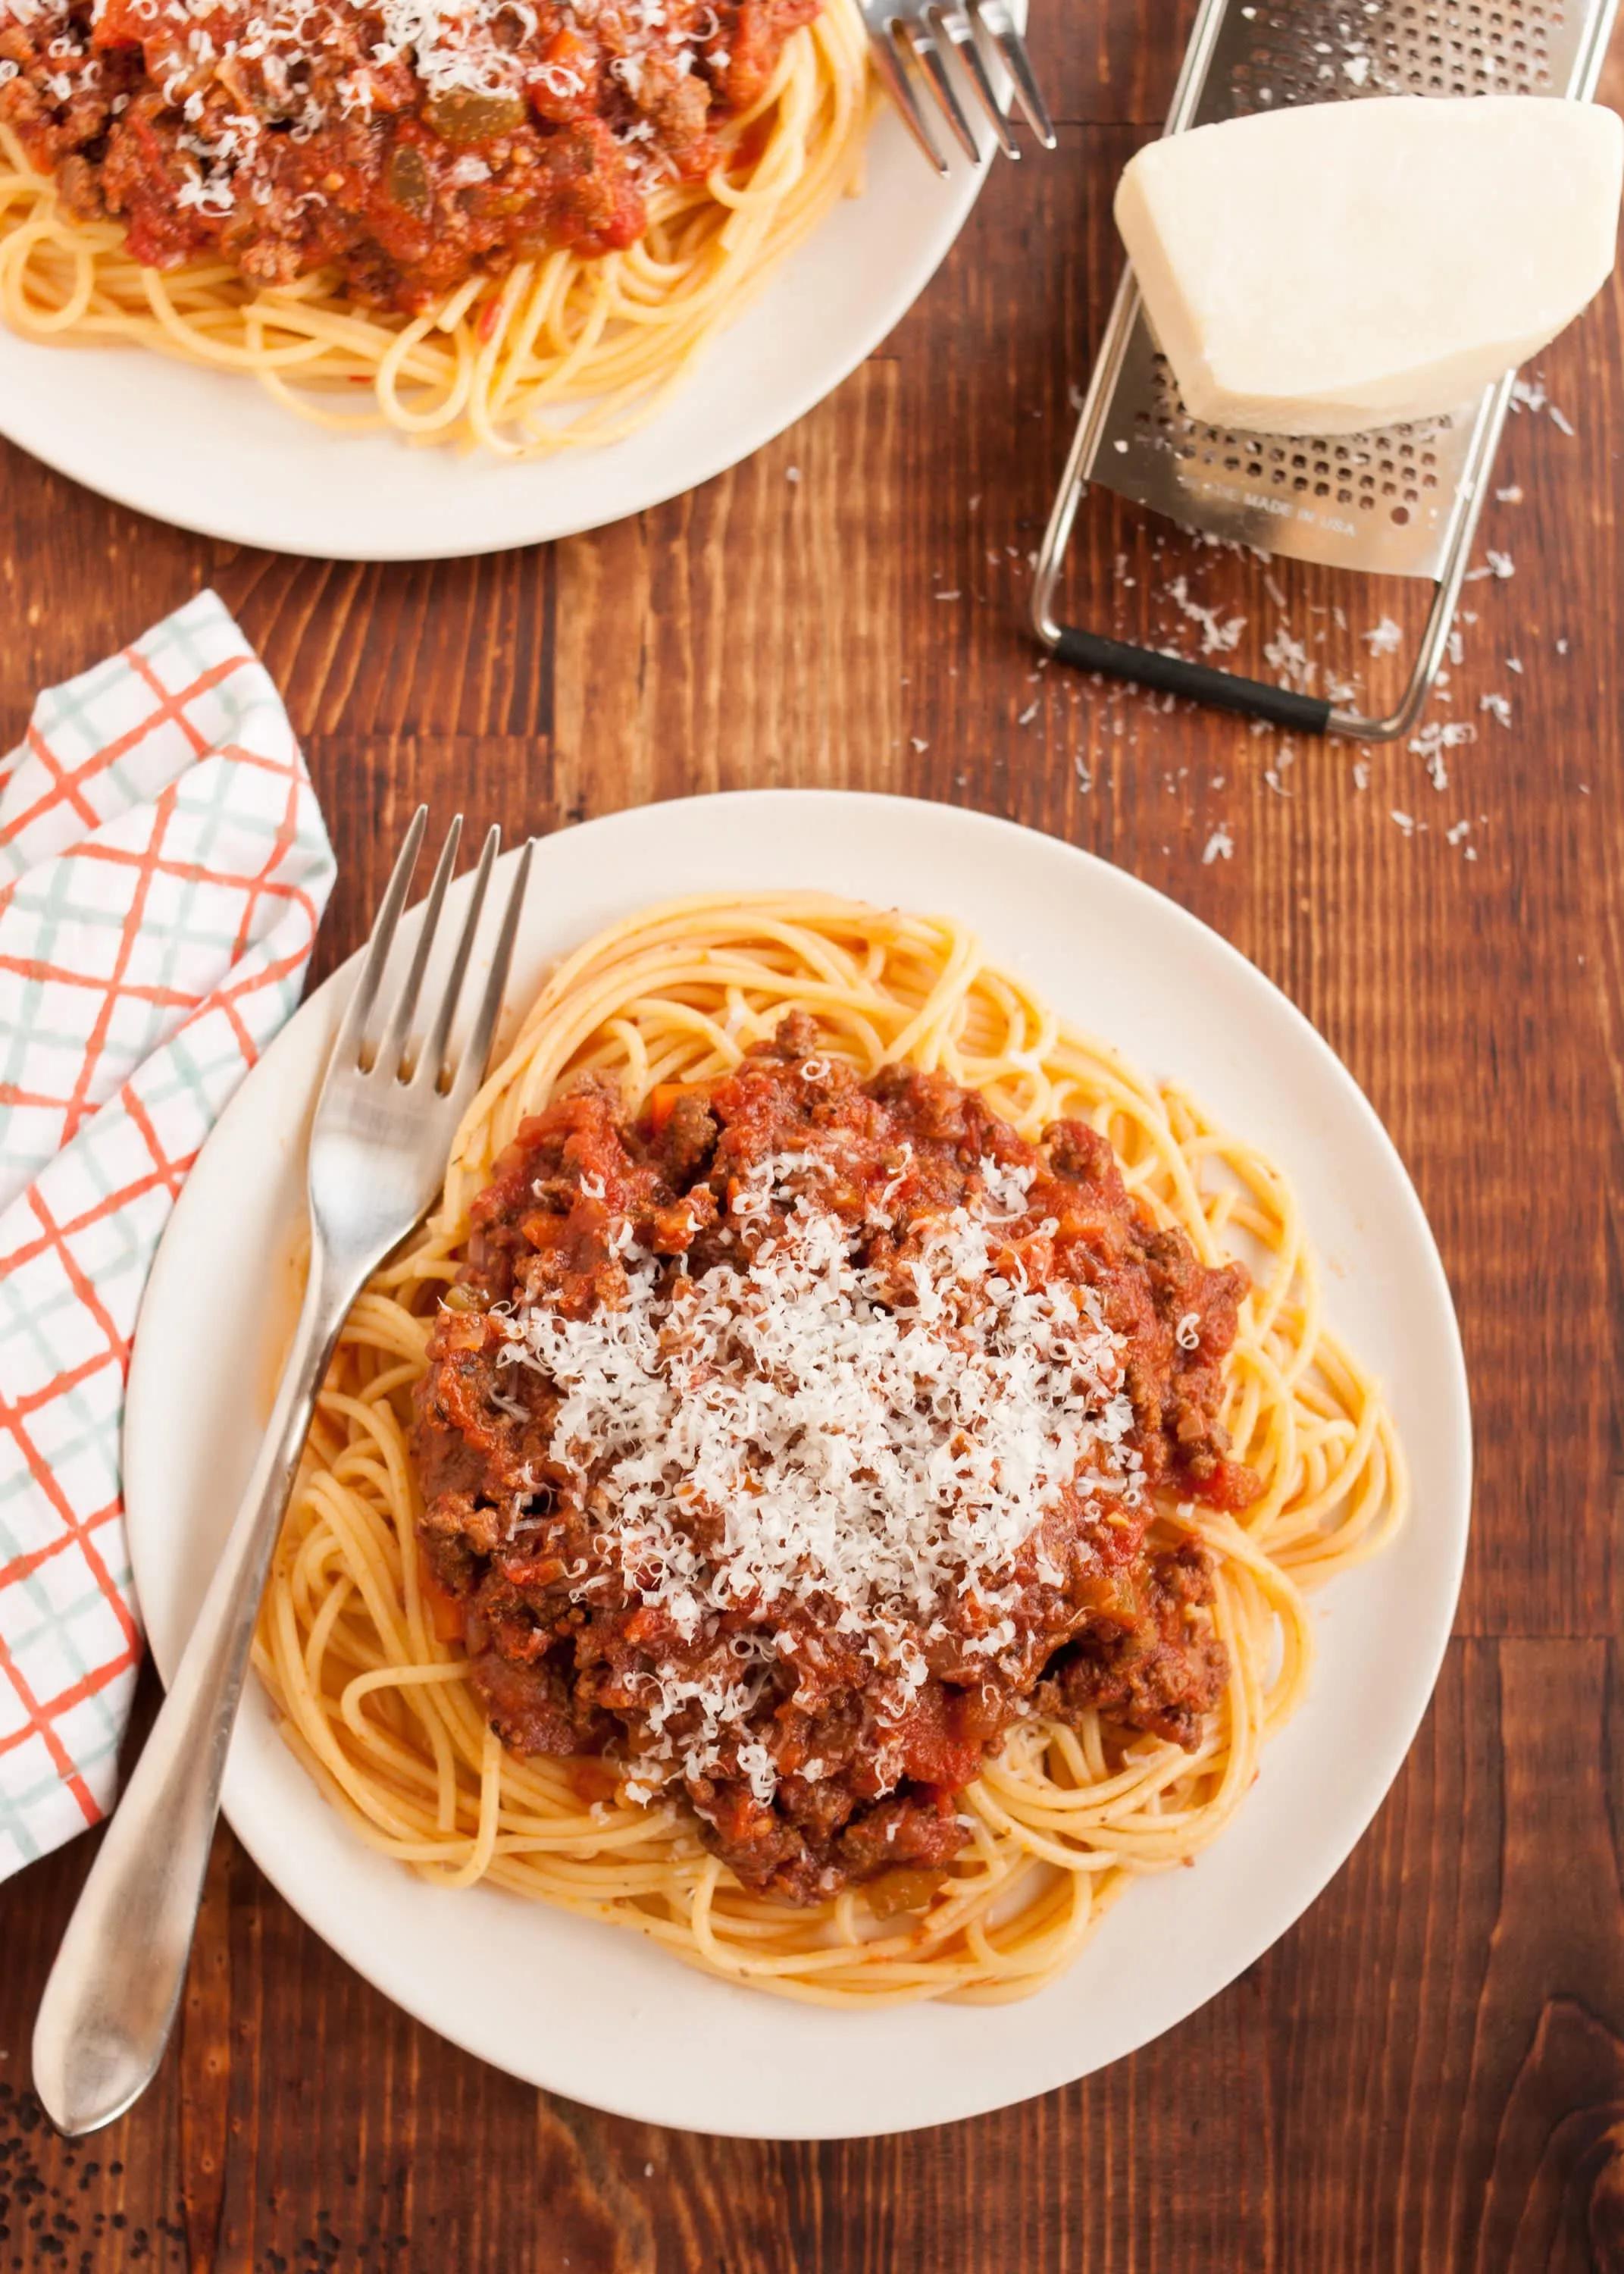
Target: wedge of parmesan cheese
[1346,265]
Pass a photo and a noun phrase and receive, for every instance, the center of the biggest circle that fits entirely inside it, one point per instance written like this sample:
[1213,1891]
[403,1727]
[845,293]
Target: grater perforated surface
[1387,501]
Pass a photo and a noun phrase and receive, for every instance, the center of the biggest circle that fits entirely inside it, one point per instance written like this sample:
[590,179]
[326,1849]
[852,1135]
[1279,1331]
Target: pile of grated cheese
[875,1459]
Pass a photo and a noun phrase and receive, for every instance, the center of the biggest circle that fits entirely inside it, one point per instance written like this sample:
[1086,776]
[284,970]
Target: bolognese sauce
[407,146]
[784,1443]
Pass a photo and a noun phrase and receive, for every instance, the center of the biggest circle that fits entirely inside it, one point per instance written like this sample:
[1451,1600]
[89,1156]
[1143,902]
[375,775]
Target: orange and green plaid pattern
[163,867]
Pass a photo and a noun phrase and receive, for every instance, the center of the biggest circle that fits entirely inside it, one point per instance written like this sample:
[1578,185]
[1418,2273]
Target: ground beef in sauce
[408,149]
[1113,1620]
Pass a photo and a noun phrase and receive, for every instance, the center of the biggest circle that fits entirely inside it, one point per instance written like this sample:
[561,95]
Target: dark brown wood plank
[1428,2073]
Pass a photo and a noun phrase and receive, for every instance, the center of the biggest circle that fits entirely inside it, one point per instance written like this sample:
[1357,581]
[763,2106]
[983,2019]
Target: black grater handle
[1172,674]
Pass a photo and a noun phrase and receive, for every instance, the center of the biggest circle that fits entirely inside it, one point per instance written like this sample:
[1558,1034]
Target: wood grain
[1428,2072]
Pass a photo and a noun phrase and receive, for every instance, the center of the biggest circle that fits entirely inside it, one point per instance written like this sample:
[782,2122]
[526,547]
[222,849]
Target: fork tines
[390,1043]
[910,42]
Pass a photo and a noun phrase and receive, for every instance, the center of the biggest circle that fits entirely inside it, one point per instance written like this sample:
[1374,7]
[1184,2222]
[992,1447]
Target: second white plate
[215,454]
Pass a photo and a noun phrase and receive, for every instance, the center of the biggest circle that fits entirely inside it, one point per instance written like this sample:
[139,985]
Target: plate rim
[468,2035]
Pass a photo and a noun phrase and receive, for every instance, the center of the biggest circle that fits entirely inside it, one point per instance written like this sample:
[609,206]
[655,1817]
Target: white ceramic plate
[217,455]
[595,2012]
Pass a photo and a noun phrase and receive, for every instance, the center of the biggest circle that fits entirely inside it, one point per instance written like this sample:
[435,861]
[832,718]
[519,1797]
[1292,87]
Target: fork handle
[110,2001]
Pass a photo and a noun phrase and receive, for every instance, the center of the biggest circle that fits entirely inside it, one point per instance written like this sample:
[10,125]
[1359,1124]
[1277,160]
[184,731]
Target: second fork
[907,33]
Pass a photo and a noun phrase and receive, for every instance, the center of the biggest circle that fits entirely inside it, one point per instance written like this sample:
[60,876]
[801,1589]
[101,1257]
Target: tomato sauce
[407,146]
[826,1778]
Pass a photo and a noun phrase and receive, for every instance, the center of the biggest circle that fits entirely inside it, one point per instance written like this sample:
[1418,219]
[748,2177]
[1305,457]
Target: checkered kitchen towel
[163,867]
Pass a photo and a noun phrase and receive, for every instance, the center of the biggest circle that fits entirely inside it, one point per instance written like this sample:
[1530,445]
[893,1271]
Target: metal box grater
[1402,502]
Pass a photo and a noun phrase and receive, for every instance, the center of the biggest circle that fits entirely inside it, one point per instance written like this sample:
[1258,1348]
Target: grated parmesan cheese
[800,1427]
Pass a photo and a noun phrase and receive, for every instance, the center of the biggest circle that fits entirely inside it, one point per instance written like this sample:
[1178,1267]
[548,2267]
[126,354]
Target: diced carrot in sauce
[444,1612]
[663,1104]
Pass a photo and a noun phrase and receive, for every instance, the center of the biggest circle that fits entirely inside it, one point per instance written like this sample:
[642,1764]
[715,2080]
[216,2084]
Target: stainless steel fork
[910,36]
[385,1118]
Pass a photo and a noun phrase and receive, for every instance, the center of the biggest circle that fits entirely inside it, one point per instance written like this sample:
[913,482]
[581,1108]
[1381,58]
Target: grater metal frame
[1305,492]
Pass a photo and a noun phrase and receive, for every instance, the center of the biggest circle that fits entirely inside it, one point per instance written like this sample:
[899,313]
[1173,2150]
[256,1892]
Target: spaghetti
[572,346]
[385,1715]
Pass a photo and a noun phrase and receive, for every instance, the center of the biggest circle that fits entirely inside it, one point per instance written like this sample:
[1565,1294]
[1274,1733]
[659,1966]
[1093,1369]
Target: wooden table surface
[1428,2071]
